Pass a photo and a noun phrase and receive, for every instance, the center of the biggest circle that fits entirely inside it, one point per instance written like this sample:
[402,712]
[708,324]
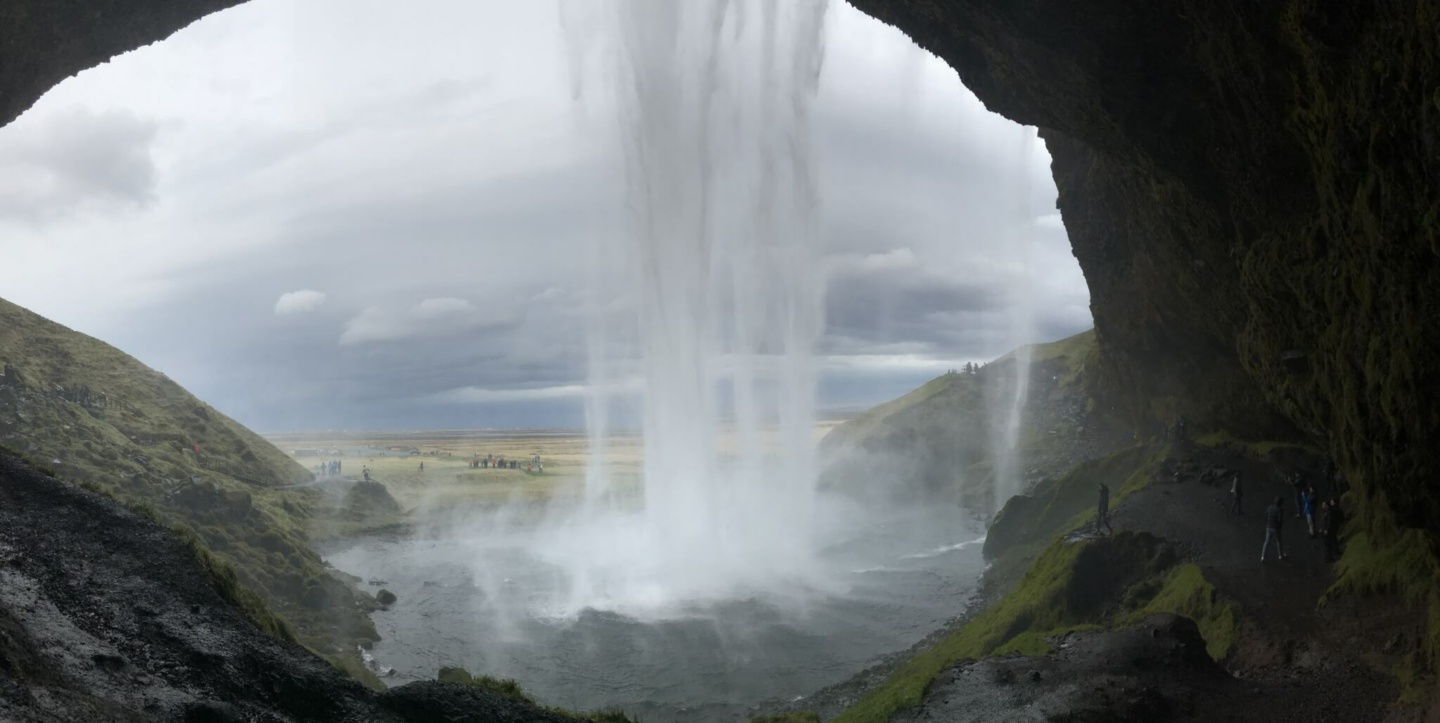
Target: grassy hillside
[95,415]
[938,440]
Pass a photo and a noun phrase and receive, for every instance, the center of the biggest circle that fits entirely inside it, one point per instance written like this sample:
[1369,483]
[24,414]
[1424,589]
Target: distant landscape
[448,478]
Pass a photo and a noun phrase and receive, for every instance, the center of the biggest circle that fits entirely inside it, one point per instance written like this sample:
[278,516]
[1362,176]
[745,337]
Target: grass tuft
[1185,591]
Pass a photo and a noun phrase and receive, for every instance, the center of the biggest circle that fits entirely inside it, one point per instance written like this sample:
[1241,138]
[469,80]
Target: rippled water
[484,602]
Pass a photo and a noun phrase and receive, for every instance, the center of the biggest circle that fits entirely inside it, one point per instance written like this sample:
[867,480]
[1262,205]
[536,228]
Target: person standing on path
[1274,521]
[1333,521]
[1298,482]
[1236,492]
[1307,498]
[1102,516]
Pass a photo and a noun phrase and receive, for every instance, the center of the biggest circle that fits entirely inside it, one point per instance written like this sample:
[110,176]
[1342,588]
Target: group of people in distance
[328,469]
[490,461]
[1308,505]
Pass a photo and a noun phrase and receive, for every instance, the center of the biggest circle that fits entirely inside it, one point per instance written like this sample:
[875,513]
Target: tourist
[1297,481]
[1334,520]
[1308,498]
[1236,492]
[365,472]
[1102,516]
[422,465]
[1274,520]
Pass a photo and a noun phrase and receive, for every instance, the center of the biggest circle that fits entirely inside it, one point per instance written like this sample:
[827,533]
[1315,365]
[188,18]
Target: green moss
[1036,644]
[1400,563]
[1185,591]
[1221,439]
[226,583]
[354,667]
[1069,585]
[802,716]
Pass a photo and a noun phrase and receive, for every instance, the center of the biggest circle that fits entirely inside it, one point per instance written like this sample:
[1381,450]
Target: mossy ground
[511,689]
[802,716]
[1185,591]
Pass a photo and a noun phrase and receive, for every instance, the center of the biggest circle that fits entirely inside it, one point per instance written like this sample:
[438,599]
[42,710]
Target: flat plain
[395,459]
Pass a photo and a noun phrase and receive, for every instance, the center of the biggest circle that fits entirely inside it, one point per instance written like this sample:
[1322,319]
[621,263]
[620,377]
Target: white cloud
[298,302]
[447,305]
[901,258]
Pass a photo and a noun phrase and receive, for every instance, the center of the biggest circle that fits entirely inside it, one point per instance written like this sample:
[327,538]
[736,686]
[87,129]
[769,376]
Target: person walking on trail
[365,472]
[1236,492]
[1274,521]
[1330,527]
[1102,516]
[1307,498]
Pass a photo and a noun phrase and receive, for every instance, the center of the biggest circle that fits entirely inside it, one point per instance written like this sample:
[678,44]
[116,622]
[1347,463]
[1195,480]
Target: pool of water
[482,600]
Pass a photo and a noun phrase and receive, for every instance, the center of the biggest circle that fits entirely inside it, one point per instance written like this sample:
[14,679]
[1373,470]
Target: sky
[330,215]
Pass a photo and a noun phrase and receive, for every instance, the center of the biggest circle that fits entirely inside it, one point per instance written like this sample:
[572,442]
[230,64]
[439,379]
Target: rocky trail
[1295,659]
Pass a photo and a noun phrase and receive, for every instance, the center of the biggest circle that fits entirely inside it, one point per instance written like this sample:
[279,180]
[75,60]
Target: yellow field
[448,479]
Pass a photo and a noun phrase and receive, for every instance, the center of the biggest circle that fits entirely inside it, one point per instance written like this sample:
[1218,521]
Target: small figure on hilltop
[365,472]
[422,466]
[1308,499]
[1236,492]
[1102,516]
[1274,521]
[1333,521]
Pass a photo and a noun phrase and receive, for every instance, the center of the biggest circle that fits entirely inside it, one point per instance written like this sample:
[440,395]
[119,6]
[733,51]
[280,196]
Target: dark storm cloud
[58,163]
[896,305]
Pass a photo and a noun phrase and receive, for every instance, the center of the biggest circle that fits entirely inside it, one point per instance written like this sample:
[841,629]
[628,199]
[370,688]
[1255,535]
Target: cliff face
[1253,192]
[1252,189]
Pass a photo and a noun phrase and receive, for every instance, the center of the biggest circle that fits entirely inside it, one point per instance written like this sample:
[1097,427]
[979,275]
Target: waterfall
[1013,389]
[718,272]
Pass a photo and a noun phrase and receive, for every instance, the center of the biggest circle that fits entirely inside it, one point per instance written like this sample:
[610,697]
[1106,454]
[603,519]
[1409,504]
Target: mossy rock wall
[1253,193]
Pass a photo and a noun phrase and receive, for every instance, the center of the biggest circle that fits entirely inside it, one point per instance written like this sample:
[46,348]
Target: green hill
[939,441]
[99,417]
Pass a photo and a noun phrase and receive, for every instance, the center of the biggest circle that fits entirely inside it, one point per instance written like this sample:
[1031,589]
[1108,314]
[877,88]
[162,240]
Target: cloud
[56,164]
[427,319]
[298,302]
[445,306]
[899,258]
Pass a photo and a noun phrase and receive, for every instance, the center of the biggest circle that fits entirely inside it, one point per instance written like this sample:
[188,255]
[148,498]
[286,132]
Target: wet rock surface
[106,616]
[1156,671]
[1153,672]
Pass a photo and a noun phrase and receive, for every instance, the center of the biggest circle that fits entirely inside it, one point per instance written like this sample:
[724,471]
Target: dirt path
[1280,595]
